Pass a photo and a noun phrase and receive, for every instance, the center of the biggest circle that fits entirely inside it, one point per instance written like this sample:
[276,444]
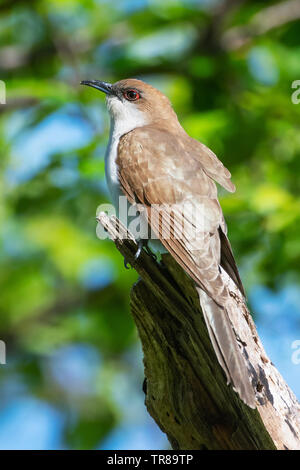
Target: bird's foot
[141,244]
[126,264]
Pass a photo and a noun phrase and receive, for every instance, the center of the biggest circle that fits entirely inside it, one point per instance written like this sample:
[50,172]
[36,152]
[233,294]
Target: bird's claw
[139,250]
[141,244]
[126,264]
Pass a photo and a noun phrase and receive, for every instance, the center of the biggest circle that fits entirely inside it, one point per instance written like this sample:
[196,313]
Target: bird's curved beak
[102,86]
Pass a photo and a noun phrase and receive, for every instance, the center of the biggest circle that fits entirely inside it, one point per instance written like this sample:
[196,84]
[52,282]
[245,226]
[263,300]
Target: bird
[172,178]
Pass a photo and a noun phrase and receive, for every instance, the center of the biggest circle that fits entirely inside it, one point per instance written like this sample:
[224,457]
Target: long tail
[226,348]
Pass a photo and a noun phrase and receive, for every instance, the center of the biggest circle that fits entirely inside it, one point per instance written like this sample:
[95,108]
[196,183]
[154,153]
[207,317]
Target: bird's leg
[144,244]
[141,244]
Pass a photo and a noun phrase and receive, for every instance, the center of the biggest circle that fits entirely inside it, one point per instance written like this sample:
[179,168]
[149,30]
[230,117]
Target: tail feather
[228,262]
[226,348]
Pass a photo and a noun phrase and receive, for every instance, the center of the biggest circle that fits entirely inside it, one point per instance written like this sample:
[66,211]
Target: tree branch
[264,21]
[186,390]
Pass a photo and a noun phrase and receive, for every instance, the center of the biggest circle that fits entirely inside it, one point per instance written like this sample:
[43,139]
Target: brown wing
[210,163]
[172,184]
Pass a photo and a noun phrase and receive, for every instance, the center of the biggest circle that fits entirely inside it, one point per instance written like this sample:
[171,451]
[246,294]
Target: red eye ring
[131,95]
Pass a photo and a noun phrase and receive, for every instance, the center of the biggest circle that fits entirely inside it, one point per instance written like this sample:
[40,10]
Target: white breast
[111,170]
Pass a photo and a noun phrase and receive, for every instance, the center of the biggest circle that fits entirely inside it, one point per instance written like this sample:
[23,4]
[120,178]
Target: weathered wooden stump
[186,390]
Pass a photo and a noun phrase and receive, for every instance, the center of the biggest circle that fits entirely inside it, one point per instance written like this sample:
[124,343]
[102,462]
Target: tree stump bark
[185,387]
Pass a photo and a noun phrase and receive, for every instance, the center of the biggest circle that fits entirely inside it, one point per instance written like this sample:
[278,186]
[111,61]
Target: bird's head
[134,101]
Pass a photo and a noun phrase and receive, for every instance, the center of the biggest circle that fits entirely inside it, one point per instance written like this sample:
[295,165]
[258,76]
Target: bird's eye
[131,95]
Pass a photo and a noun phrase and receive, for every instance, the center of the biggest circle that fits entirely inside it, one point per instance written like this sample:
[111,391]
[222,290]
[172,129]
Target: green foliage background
[233,96]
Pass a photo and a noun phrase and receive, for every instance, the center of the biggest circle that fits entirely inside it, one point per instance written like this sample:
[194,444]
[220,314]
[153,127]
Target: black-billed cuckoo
[153,162]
